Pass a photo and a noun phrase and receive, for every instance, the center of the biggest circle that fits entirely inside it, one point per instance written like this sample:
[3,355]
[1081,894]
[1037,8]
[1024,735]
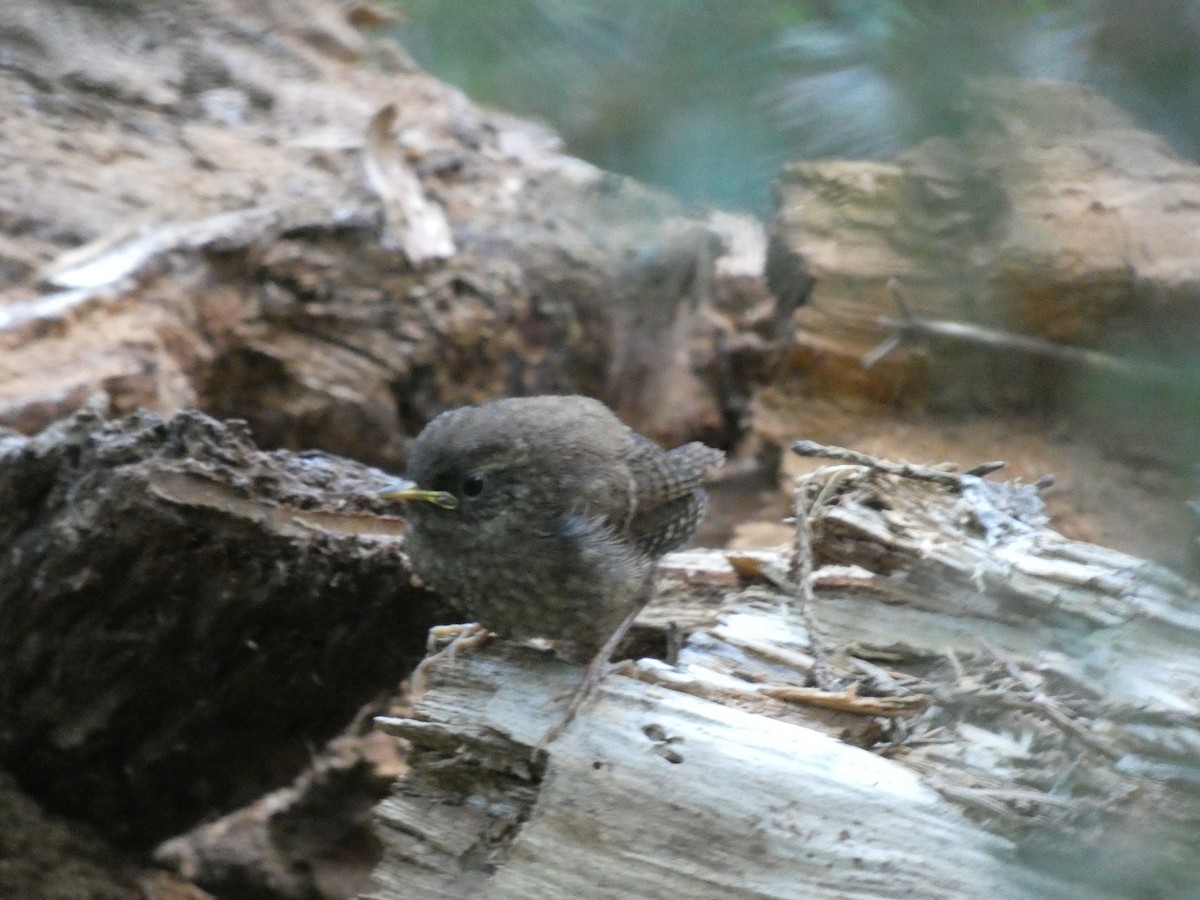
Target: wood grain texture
[1048,687]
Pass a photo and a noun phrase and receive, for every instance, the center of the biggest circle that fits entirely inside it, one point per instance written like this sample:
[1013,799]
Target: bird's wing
[667,495]
[667,527]
[662,476]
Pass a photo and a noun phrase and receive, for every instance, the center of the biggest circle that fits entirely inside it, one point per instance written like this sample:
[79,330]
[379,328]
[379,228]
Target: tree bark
[309,234]
[183,617]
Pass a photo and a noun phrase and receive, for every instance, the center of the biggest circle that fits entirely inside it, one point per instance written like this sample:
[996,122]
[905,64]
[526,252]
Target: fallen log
[1012,714]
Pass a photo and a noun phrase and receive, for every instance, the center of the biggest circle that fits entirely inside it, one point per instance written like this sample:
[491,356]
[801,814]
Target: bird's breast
[562,578]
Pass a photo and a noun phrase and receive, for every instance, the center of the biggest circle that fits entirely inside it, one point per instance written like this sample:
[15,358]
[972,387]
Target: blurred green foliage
[705,98]
[671,91]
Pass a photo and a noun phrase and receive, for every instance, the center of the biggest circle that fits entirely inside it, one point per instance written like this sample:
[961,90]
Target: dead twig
[910,326]
[849,700]
[800,570]
[1049,708]
[902,470]
[1005,803]
[699,682]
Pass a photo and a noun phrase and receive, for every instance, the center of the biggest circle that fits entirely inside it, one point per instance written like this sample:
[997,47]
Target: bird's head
[468,465]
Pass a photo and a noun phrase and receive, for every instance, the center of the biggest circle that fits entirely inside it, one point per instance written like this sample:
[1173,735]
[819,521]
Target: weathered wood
[183,617]
[658,794]
[189,219]
[1052,220]
[1026,698]
[197,214]
[257,248]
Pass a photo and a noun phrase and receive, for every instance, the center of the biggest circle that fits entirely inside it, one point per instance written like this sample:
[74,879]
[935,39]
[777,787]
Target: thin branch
[800,570]
[910,326]
[903,470]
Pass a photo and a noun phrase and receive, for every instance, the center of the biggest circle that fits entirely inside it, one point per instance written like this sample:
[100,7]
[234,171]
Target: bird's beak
[404,489]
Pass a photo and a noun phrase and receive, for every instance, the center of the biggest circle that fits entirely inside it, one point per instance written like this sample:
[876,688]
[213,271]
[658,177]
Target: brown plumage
[545,517]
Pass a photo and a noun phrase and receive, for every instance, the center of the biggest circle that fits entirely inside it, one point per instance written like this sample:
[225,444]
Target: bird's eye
[472,486]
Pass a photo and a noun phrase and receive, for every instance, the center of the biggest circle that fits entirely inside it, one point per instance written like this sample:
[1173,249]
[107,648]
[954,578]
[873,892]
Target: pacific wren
[545,516]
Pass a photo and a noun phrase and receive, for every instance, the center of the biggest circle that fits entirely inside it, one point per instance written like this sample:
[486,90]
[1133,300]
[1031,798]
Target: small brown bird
[545,516]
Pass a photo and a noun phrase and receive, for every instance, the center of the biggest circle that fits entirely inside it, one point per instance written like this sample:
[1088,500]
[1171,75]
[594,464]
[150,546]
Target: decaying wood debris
[309,839]
[254,209]
[1053,220]
[1012,714]
[184,618]
[332,250]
